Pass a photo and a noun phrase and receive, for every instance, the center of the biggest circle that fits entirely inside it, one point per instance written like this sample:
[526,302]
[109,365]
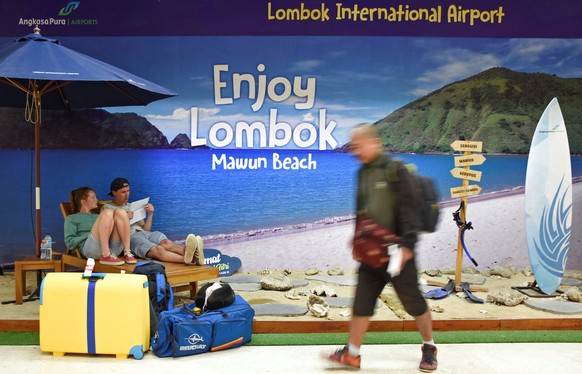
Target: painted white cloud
[308,117]
[181,114]
[307,65]
[345,107]
[290,101]
[533,50]
[351,76]
[553,56]
[179,120]
[178,115]
[204,113]
[452,65]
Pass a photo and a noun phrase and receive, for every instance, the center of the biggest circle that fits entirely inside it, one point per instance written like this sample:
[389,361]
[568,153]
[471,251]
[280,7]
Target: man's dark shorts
[371,282]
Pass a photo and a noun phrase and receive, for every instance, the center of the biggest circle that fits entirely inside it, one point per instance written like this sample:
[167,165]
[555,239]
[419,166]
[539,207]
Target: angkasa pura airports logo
[65,18]
[69,8]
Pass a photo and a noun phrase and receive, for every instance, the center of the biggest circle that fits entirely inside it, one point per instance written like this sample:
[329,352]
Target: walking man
[376,200]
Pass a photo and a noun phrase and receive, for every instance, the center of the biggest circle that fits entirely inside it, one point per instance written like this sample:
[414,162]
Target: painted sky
[358,79]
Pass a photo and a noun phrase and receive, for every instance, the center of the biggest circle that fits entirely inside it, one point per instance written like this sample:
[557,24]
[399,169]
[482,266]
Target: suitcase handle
[95,276]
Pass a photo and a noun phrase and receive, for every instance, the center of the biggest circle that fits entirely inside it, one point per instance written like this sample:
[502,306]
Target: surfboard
[548,199]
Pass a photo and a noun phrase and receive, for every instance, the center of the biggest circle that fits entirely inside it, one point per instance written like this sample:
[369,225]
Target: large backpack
[161,294]
[424,193]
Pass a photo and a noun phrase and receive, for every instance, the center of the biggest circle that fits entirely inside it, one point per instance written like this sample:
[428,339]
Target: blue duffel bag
[181,332]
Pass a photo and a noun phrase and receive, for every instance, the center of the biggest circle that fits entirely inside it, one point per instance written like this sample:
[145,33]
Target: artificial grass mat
[19,338]
[450,337]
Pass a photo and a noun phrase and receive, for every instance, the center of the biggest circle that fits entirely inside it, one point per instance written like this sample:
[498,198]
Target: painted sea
[213,193]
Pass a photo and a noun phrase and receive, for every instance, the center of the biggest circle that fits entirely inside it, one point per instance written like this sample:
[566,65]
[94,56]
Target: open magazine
[138,209]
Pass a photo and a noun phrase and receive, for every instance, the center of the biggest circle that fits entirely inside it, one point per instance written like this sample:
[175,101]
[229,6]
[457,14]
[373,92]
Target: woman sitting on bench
[102,236]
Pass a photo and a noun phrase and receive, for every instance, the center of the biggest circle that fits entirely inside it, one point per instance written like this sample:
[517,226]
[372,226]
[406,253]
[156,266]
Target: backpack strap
[391,173]
[161,285]
[396,186]
[392,177]
[392,170]
[190,312]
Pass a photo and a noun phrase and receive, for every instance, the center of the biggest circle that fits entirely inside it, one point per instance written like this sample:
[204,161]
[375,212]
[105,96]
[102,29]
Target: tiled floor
[555,358]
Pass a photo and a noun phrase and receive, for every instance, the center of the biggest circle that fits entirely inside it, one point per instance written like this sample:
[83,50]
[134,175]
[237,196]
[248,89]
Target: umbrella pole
[37,177]
[34,116]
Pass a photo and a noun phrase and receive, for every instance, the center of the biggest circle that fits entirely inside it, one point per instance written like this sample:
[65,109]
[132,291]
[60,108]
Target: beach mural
[251,152]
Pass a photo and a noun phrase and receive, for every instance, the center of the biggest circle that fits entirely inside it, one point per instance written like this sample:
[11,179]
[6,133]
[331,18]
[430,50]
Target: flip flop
[466,289]
[441,293]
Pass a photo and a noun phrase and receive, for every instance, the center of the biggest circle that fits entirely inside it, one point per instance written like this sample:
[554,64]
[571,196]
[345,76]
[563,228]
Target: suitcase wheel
[136,352]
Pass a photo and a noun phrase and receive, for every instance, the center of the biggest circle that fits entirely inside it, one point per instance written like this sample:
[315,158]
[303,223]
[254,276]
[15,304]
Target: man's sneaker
[111,260]
[199,252]
[128,258]
[429,361]
[191,245]
[344,359]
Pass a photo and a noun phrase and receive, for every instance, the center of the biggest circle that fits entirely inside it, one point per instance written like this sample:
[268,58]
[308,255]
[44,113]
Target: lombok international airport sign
[341,11]
[458,18]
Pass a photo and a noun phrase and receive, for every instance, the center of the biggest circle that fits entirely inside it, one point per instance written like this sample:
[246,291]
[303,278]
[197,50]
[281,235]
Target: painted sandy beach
[498,238]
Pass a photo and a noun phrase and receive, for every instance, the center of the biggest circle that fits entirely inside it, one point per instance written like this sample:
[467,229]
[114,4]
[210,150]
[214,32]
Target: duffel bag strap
[190,312]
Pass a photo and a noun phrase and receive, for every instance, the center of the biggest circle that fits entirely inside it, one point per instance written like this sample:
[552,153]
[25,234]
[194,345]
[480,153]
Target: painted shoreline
[242,236]
[498,238]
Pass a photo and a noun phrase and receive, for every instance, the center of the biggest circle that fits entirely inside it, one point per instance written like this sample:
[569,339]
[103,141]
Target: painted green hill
[499,107]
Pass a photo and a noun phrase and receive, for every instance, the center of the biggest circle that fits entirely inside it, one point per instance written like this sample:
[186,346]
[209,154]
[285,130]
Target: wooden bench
[182,277]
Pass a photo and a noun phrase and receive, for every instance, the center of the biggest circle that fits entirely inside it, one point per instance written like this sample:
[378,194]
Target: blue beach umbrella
[38,72]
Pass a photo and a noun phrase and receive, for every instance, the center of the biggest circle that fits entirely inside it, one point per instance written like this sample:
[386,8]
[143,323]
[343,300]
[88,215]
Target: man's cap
[117,184]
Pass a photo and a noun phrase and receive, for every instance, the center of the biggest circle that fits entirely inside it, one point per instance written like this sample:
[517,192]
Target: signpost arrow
[463,191]
[476,159]
[472,175]
[467,146]
[463,171]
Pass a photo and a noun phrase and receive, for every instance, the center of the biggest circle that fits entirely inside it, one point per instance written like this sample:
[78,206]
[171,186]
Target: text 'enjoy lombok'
[272,133]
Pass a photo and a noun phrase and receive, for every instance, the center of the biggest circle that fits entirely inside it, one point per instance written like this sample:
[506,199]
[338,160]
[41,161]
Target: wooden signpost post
[463,171]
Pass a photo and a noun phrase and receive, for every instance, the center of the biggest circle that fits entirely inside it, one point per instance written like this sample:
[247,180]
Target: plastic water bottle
[49,247]
[43,250]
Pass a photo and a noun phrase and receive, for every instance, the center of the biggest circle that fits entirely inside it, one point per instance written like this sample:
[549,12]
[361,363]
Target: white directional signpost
[463,171]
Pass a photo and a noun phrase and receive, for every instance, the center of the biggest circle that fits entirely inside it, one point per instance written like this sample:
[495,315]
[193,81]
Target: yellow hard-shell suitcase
[105,314]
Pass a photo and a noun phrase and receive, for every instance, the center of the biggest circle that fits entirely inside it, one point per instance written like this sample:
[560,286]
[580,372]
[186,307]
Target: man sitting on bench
[153,244]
